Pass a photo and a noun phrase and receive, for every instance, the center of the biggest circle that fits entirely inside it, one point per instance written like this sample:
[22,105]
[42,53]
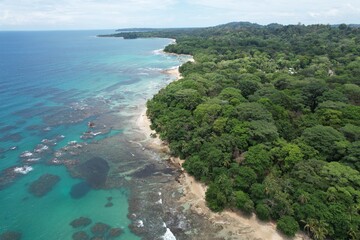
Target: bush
[288,226]
[215,198]
[243,202]
[262,212]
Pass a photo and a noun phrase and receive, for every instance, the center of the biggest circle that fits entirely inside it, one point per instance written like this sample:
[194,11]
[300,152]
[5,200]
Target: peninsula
[268,118]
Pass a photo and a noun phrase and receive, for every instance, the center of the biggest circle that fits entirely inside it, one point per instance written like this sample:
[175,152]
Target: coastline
[233,224]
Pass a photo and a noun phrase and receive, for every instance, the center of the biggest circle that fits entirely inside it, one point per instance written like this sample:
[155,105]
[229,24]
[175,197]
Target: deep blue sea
[68,99]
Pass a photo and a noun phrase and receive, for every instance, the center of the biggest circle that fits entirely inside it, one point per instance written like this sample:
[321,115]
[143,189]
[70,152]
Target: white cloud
[78,14]
[284,11]
[329,13]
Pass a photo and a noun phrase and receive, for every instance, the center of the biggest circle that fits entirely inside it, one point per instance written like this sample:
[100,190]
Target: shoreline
[234,225]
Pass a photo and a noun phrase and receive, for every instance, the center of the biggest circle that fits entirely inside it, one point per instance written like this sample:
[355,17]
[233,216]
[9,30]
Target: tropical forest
[268,117]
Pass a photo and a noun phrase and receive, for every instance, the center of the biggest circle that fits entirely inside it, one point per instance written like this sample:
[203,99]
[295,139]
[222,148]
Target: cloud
[79,13]
[345,12]
[329,13]
[91,14]
[284,11]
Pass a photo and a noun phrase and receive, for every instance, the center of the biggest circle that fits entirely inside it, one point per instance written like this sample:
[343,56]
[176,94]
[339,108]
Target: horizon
[116,29]
[48,15]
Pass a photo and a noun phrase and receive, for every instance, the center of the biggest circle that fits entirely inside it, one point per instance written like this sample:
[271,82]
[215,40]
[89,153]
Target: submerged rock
[146,172]
[15,137]
[80,236]
[81,222]
[115,232]
[79,190]
[7,128]
[137,227]
[100,229]
[95,171]
[109,204]
[10,236]
[43,185]
[97,238]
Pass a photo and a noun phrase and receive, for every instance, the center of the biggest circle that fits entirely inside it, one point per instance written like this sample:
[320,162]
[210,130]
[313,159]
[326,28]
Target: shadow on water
[8,128]
[95,171]
[79,190]
[14,137]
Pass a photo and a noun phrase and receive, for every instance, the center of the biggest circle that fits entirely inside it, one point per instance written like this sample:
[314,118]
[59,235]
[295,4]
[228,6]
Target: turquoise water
[52,84]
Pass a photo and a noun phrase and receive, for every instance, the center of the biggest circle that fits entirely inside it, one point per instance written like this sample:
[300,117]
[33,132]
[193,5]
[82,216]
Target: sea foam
[26,154]
[23,170]
[169,235]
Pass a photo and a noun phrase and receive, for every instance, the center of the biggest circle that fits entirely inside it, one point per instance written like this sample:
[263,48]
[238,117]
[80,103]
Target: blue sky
[112,14]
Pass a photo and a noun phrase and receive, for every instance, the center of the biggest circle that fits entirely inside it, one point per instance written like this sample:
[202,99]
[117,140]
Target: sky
[113,14]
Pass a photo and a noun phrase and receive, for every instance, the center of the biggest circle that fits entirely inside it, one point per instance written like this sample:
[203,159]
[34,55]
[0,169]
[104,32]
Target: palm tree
[352,233]
[226,162]
[331,194]
[303,198]
[317,228]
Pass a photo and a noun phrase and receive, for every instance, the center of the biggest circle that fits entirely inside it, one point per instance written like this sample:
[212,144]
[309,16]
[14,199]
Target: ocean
[69,147]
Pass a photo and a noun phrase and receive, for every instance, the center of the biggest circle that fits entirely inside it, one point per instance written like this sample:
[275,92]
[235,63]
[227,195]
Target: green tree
[258,192]
[243,202]
[232,95]
[286,154]
[215,198]
[353,156]
[244,178]
[258,158]
[261,132]
[188,98]
[196,167]
[312,92]
[252,112]
[318,229]
[288,226]
[351,132]
[262,212]
[248,87]
[338,174]
[352,91]
[207,112]
[324,139]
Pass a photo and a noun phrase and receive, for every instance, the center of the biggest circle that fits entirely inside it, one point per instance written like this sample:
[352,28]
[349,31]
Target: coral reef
[100,229]
[80,222]
[115,232]
[43,185]
[80,236]
[10,236]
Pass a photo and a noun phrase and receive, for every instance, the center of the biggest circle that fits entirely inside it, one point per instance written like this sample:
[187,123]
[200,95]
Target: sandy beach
[233,225]
[173,72]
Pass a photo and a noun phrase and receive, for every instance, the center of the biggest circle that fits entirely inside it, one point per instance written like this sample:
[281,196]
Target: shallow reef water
[69,102]
[73,164]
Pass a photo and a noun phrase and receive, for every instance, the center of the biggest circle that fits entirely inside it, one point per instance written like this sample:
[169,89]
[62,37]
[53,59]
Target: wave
[24,169]
[158,51]
[169,235]
[26,154]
